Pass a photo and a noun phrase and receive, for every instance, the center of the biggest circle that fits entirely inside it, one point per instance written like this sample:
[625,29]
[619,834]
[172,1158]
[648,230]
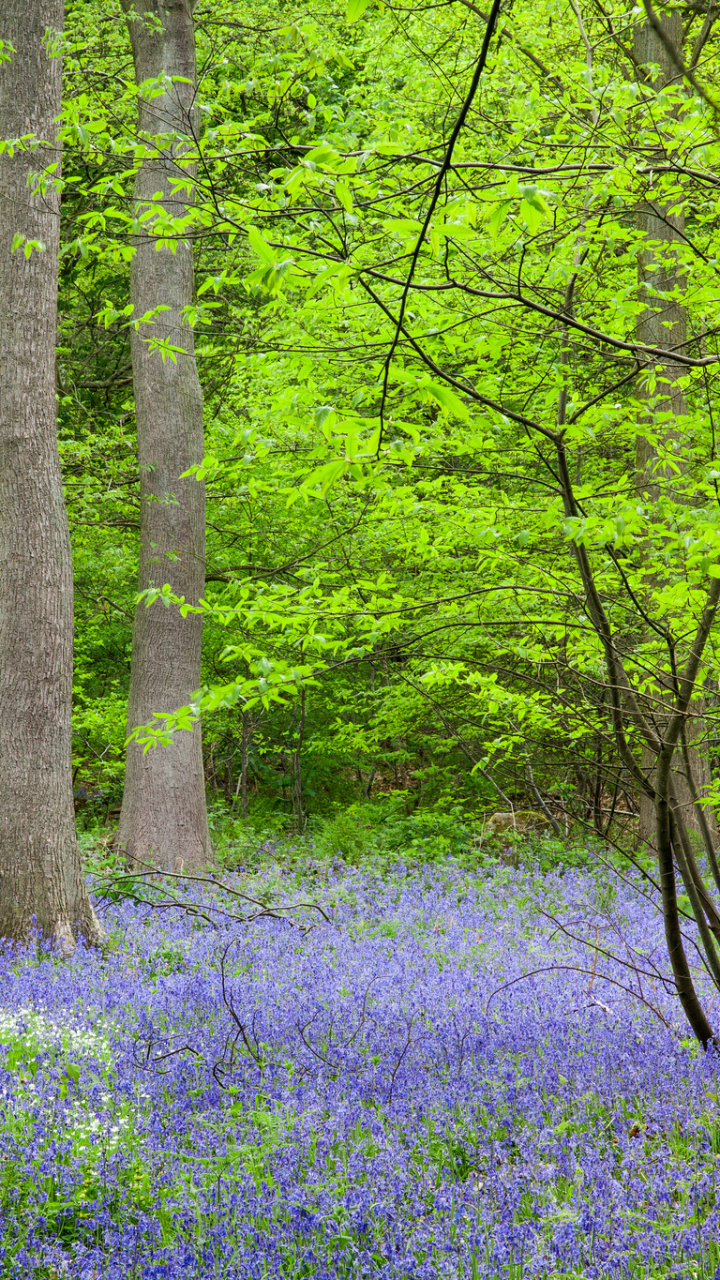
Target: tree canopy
[401,349]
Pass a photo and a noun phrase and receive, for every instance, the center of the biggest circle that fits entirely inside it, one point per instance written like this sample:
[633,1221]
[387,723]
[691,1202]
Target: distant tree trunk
[664,324]
[297,765]
[247,729]
[40,870]
[164,817]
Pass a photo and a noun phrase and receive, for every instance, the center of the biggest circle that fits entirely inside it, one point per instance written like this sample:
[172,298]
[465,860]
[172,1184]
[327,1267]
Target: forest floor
[442,1073]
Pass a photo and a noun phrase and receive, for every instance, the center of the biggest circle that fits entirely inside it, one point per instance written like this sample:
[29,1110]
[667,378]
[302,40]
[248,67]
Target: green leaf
[356,9]
[447,399]
[343,193]
[20,242]
[497,217]
[270,277]
[323,477]
[261,246]
[534,208]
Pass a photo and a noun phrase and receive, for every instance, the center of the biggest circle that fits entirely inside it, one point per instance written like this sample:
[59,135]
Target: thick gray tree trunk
[163,818]
[664,324]
[40,871]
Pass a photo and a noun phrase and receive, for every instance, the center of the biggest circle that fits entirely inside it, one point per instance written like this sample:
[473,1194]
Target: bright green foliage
[393,599]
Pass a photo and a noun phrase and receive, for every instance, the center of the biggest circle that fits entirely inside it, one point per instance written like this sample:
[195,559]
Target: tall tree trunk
[163,818]
[40,871]
[664,324]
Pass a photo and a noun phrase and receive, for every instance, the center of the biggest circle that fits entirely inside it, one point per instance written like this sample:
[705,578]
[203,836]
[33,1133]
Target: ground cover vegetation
[386,369]
[427,1078]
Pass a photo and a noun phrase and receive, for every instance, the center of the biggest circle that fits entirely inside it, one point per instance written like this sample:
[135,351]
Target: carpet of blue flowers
[453,1075]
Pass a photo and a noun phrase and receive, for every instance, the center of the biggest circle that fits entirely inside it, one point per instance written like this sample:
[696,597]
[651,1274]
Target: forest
[359,640]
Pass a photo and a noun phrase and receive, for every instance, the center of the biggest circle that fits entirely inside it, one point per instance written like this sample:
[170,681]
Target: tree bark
[664,324]
[164,818]
[41,876]
[692,1006]
[627,712]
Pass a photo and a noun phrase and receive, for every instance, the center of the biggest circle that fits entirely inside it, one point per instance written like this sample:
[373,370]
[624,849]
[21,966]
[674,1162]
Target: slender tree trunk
[692,1007]
[164,818]
[247,729]
[627,710]
[297,765]
[40,871]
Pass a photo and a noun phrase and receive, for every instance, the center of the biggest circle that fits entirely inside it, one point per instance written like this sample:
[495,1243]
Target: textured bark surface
[40,871]
[664,324]
[683,790]
[163,818]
